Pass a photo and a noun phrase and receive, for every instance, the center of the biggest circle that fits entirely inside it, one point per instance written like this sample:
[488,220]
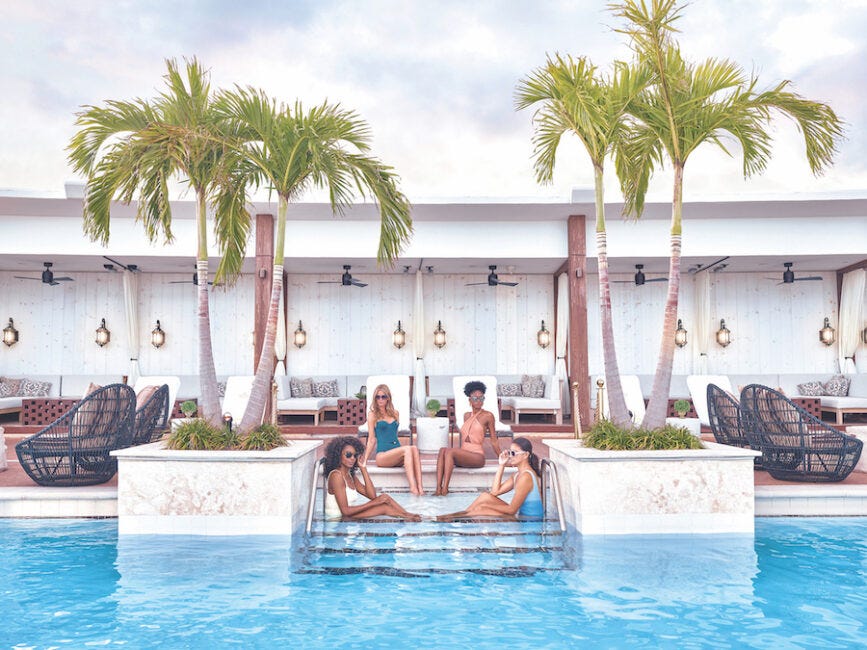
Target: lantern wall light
[680,334]
[300,336]
[723,335]
[439,335]
[543,336]
[827,334]
[10,334]
[158,336]
[103,335]
[398,337]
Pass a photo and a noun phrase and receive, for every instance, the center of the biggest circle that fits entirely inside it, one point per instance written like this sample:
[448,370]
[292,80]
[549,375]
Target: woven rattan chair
[795,445]
[152,417]
[75,449]
[724,415]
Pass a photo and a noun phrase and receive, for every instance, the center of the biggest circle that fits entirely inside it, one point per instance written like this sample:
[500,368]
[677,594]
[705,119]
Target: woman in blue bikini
[527,498]
[382,442]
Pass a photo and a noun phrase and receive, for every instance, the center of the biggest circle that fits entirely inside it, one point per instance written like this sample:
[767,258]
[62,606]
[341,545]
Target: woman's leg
[440,468]
[416,464]
[460,458]
[383,504]
[397,457]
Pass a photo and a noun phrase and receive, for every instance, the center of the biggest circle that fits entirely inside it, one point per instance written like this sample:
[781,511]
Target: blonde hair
[388,410]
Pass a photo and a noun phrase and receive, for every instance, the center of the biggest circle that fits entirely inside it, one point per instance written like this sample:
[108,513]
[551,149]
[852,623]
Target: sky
[435,80]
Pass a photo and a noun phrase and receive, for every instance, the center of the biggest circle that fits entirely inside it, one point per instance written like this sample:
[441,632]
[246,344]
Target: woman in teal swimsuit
[382,442]
[527,497]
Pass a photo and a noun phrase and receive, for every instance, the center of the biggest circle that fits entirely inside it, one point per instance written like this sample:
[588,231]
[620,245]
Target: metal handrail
[558,497]
[318,469]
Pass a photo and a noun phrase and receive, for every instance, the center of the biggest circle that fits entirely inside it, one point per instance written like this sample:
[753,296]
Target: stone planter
[164,492]
[700,491]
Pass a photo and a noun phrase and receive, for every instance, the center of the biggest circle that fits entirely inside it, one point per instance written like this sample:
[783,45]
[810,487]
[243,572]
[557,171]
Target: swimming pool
[71,583]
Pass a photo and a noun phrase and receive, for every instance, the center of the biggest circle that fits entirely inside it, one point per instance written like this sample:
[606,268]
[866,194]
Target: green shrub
[263,438]
[681,407]
[197,434]
[189,408]
[606,435]
[433,407]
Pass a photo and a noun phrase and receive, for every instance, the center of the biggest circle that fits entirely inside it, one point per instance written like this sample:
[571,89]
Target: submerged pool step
[483,542]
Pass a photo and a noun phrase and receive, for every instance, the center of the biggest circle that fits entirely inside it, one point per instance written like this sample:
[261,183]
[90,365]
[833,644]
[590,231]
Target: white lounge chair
[400,397]
[548,404]
[462,402]
[172,381]
[698,392]
[631,393]
[238,389]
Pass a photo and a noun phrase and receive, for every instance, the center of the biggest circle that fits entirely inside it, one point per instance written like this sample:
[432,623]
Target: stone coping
[157,451]
[711,450]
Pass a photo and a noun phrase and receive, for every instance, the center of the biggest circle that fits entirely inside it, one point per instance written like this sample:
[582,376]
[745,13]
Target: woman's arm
[498,486]
[370,447]
[491,426]
[367,489]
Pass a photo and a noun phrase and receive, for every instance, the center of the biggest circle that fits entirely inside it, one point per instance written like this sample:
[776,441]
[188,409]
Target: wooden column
[576,357]
[264,265]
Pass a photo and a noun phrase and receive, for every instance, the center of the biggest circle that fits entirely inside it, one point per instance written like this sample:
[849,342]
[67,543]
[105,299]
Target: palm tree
[133,150]
[572,98]
[290,150]
[686,106]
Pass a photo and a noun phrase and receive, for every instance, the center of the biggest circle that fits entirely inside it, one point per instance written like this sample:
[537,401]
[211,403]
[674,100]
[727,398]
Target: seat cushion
[531,403]
[302,404]
[844,402]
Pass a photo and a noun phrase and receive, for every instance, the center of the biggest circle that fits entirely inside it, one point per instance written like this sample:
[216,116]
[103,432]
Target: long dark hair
[335,448]
[533,459]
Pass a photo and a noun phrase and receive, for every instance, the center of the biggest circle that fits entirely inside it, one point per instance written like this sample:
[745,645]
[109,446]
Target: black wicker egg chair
[152,417]
[724,414]
[76,448]
[795,445]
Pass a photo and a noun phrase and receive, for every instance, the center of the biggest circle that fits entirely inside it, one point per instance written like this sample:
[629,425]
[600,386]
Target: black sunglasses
[350,454]
[382,397]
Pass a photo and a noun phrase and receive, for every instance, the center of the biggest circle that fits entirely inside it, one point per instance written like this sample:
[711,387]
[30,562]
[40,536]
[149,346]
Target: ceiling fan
[346,279]
[47,276]
[640,277]
[492,280]
[132,268]
[789,275]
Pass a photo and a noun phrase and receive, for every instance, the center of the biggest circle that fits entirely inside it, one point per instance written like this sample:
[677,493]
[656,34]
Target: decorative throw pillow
[327,388]
[299,387]
[144,395]
[9,387]
[509,390]
[811,389]
[532,386]
[91,387]
[837,386]
[33,388]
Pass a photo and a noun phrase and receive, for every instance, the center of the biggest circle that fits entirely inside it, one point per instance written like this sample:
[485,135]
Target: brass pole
[600,396]
[576,414]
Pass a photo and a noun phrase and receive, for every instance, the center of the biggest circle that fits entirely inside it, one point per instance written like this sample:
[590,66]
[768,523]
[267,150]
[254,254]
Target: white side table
[432,433]
[693,425]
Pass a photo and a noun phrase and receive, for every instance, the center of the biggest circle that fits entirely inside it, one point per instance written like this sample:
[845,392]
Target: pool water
[800,583]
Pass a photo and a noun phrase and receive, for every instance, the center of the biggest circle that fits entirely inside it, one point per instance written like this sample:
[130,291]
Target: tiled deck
[20,497]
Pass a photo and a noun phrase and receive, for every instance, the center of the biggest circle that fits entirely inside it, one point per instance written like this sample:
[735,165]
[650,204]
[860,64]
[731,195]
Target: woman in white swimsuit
[351,496]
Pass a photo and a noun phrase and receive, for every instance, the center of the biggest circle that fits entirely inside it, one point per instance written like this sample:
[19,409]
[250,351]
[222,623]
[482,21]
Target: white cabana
[130,301]
[419,392]
[280,340]
[851,307]
[560,340]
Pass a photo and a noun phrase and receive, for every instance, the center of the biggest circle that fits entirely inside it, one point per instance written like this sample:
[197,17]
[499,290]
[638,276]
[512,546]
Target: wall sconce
[439,335]
[723,335]
[103,336]
[827,335]
[158,337]
[10,334]
[300,337]
[543,337]
[680,334]
[398,338]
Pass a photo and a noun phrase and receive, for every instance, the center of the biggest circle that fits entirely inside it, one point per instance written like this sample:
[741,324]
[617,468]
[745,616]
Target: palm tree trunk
[255,411]
[207,372]
[658,405]
[616,402]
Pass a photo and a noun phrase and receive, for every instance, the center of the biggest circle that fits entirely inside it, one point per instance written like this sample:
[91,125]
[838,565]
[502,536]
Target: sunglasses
[382,397]
[350,454]
[512,452]
[478,399]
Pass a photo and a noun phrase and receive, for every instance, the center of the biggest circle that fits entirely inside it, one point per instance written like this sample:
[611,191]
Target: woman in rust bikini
[471,453]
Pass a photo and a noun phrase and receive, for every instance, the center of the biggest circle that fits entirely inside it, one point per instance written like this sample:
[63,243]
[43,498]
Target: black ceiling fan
[47,276]
[640,278]
[492,280]
[346,279]
[789,276]
[132,268]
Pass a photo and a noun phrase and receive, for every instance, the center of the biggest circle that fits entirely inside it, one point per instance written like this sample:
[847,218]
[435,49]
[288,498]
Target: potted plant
[432,407]
[681,407]
[362,393]
[189,408]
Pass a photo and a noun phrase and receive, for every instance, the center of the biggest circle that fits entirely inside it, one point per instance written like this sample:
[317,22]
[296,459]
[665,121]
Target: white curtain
[130,302]
[280,340]
[419,393]
[851,309]
[701,324]
[560,340]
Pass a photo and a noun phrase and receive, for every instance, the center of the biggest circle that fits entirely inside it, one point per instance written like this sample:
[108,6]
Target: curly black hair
[335,448]
[473,386]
